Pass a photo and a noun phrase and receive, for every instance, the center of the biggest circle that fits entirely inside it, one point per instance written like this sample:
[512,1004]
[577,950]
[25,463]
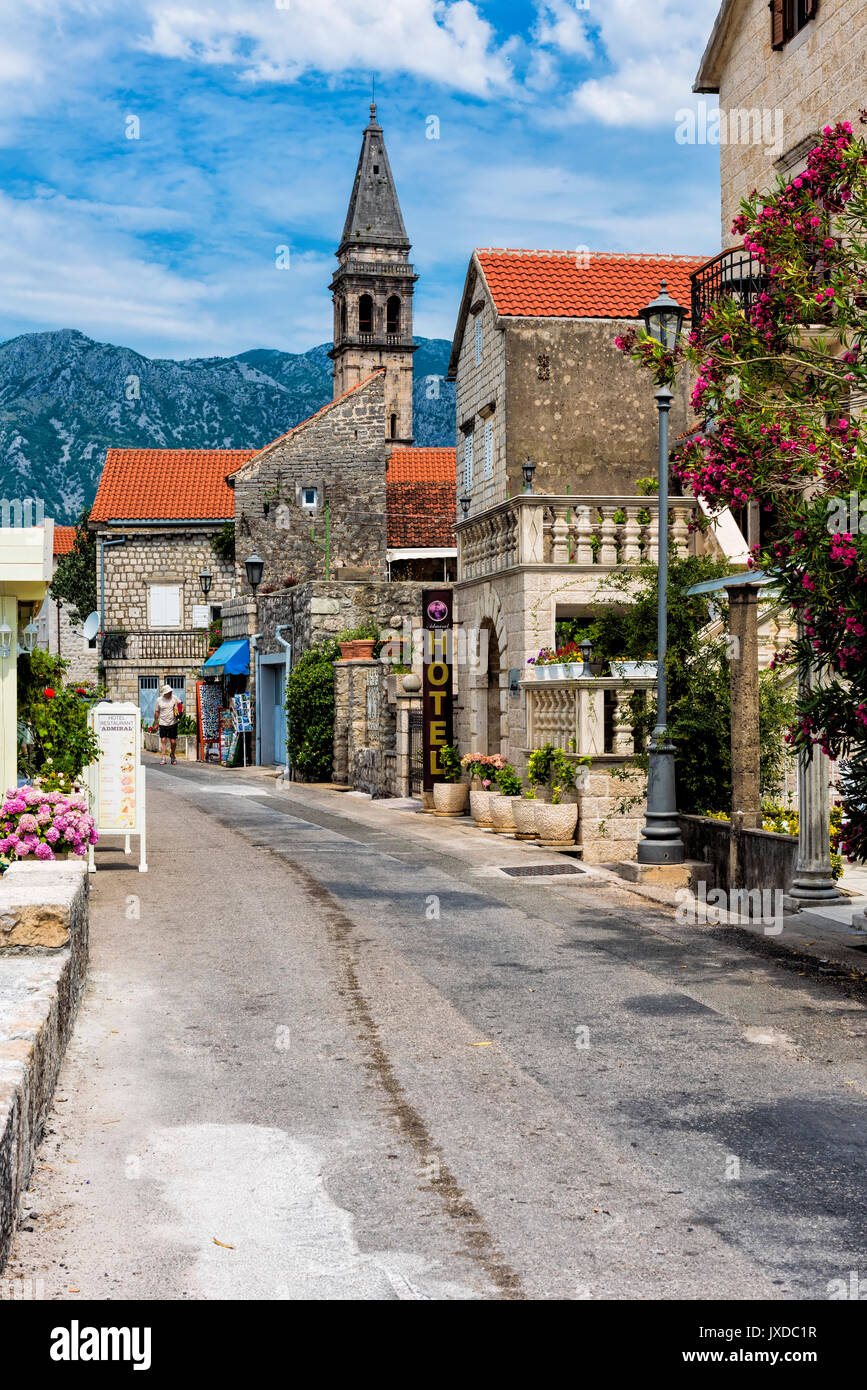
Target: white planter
[543,673]
[555,825]
[634,670]
[501,815]
[524,813]
[480,808]
[577,670]
[450,798]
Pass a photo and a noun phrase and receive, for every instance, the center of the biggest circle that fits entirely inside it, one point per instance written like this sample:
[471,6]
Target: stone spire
[374,217]
[372,288]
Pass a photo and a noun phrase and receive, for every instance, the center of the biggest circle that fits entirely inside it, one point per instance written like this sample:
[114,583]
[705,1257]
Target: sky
[155,156]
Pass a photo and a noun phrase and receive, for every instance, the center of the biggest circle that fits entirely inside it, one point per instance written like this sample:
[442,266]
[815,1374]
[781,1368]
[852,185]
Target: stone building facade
[372,289]
[155,514]
[781,73]
[57,633]
[334,464]
[538,375]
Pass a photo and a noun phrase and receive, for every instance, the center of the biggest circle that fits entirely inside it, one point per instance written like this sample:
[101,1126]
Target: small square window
[309,496]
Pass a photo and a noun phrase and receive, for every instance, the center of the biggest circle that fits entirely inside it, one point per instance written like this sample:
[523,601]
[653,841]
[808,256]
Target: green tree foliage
[74,581]
[310,713]
[223,543]
[699,689]
[55,742]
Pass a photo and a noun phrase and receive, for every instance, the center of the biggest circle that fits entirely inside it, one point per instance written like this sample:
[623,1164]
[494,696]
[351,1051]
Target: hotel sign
[437,699]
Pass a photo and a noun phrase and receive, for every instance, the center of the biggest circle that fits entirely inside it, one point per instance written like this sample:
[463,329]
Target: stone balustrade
[589,532]
[588,717]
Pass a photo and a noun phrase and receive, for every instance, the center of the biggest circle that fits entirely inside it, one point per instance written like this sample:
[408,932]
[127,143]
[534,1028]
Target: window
[365,314]
[376,168]
[165,605]
[489,448]
[309,497]
[393,427]
[788,18]
[392,314]
[468,462]
[343,318]
[478,340]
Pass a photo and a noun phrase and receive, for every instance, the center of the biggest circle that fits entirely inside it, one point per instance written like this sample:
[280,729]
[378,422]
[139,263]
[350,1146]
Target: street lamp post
[661,842]
[254,566]
[205,582]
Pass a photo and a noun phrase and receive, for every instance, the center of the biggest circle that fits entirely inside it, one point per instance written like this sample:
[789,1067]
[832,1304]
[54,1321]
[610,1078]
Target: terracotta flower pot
[501,815]
[357,650]
[524,812]
[555,825]
[450,798]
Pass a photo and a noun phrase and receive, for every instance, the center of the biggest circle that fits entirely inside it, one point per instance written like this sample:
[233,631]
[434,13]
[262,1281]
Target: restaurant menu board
[241,717]
[117,771]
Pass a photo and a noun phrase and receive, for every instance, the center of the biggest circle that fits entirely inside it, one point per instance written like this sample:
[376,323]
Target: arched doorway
[492,711]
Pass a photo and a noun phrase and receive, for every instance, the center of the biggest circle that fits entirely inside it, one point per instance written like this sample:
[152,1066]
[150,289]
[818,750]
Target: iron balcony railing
[190,645]
[735,274]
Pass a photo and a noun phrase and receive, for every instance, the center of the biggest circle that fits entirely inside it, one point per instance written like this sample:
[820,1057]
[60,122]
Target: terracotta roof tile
[422,466]
[64,539]
[421,514]
[542,284]
[167,484]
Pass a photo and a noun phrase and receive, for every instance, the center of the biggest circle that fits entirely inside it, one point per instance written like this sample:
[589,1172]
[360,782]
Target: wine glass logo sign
[437,611]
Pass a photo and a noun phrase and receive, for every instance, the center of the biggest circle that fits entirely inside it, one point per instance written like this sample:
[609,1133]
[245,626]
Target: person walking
[167,722]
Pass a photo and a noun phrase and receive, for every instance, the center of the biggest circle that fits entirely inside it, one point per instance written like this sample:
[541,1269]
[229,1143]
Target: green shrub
[364,632]
[450,762]
[310,713]
[508,781]
[54,740]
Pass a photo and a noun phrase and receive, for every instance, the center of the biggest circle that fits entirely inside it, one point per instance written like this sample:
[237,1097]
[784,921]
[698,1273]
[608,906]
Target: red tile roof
[422,466]
[562,284]
[64,539]
[167,484]
[421,514]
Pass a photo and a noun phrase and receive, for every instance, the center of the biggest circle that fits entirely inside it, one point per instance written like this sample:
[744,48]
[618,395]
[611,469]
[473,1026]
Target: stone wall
[321,609]
[817,79]
[340,452]
[592,426]
[476,388]
[175,555]
[43,964]
[611,807]
[60,636]
[365,728]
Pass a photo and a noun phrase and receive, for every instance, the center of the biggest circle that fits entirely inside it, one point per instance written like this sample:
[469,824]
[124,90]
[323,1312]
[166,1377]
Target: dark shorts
[168,730]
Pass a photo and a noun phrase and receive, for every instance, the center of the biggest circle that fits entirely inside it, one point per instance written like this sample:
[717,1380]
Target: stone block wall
[817,79]
[175,555]
[341,453]
[609,827]
[477,386]
[365,728]
[60,636]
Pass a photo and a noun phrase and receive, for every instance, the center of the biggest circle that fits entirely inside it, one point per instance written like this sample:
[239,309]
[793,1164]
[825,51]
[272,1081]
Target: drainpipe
[254,639]
[287,647]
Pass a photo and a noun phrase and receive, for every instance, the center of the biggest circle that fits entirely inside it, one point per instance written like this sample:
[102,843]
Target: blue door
[279,714]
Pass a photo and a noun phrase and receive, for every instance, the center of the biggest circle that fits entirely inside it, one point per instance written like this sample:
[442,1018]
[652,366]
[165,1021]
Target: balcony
[190,645]
[586,717]
[586,532]
[735,274]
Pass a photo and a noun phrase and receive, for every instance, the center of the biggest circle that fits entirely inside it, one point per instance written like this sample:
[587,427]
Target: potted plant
[482,769]
[546,665]
[524,814]
[557,819]
[626,668]
[450,795]
[509,784]
[358,643]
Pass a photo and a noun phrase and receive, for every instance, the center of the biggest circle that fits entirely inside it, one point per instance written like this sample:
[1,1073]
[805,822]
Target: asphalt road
[329,1050]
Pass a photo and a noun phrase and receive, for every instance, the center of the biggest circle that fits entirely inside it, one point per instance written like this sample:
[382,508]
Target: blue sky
[556,126]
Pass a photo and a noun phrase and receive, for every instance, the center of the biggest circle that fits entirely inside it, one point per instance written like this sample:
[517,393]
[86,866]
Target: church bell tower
[372,289]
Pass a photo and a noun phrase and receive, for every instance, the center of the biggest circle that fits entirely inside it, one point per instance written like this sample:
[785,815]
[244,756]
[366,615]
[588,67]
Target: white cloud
[446,41]
[561,25]
[653,50]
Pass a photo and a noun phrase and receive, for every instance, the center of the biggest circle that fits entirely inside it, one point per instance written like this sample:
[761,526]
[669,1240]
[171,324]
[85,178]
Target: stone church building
[342,500]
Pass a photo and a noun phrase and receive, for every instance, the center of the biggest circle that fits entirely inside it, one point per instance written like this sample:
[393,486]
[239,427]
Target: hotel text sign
[437,710]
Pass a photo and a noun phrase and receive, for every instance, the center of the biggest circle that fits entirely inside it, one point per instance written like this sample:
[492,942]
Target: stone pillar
[744,674]
[813,881]
[340,766]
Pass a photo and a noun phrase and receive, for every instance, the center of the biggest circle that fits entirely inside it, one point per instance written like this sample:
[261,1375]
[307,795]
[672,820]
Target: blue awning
[231,659]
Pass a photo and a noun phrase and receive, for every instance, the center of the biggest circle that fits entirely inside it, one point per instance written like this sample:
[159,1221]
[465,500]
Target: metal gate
[416,753]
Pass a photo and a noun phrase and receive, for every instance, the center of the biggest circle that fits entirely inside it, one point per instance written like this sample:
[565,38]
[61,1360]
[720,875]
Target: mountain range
[65,399]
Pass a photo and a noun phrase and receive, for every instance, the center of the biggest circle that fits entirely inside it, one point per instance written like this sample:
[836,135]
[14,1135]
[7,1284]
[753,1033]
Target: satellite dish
[91,626]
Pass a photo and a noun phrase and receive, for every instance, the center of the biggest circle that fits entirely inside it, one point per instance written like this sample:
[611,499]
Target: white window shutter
[468,461]
[489,448]
[165,605]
